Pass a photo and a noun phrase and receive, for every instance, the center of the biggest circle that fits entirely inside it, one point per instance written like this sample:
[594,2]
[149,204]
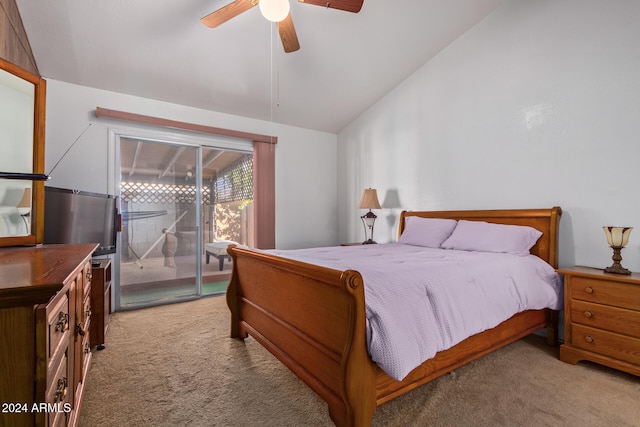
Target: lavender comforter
[420,301]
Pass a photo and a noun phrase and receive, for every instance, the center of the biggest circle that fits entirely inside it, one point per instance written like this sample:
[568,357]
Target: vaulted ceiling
[159,49]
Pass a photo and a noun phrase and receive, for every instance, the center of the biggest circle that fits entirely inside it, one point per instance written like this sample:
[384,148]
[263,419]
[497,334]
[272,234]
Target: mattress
[420,300]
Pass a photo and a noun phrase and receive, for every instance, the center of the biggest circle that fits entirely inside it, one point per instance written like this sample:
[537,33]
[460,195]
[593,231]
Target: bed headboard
[545,220]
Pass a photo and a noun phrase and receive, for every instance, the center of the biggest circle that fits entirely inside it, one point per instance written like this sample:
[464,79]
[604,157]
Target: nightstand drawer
[620,347]
[605,292]
[612,319]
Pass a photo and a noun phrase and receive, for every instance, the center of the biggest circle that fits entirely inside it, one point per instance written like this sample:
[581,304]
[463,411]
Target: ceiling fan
[277,11]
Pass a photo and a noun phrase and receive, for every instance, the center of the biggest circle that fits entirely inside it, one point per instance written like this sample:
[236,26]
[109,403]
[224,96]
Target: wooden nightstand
[601,318]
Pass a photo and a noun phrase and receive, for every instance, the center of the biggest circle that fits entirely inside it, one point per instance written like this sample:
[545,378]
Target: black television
[72,216]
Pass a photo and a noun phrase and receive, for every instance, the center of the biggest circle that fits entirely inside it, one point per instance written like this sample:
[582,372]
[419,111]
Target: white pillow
[429,232]
[488,237]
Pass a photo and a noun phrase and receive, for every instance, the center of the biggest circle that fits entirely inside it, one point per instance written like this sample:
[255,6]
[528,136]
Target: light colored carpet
[175,366]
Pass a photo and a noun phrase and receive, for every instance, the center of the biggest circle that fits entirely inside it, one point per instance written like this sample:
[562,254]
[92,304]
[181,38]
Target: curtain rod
[157,121]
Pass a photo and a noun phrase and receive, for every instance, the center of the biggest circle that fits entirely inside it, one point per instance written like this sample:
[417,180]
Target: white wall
[306,165]
[536,106]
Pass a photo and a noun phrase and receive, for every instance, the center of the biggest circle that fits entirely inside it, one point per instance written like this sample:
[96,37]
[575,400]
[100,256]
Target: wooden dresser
[602,318]
[44,333]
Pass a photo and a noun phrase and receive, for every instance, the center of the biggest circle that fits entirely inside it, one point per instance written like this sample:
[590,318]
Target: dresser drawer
[620,347]
[86,312]
[88,272]
[58,324]
[86,355]
[605,292]
[58,393]
[57,419]
[606,317]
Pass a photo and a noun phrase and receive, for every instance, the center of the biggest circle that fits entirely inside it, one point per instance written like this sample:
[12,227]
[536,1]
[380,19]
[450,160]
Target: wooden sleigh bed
[312,319]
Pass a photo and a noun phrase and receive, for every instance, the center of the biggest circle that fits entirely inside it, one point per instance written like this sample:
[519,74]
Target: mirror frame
[37,203]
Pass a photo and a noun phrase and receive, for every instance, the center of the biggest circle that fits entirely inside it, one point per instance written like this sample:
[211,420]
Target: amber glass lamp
[369,201]
[617,237]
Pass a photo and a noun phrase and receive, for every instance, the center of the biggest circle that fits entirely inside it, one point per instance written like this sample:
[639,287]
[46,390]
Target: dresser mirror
[22,125]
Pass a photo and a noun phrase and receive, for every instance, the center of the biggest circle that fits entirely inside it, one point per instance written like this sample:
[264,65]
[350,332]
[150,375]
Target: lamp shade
[617,237]
[274,10]
[25,202]
[369,199]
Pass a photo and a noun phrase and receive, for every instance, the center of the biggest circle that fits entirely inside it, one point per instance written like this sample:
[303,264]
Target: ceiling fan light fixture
[274,10]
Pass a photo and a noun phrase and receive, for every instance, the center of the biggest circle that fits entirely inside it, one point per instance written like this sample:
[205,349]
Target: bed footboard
[313,320]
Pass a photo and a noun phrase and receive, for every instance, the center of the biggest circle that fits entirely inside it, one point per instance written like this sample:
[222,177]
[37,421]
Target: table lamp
[369,201]
[617,237]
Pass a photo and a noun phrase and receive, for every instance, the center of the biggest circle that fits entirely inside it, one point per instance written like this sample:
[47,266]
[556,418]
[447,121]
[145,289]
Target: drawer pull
[89,275]
[61,390]
[87,349]
[79,330]
[87,312]
[588,314]
[589,290]
[63,322]
[589,338]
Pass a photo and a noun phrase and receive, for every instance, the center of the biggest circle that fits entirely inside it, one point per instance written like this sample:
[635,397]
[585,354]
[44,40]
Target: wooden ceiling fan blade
[288,35]
[227,12]
[346,5]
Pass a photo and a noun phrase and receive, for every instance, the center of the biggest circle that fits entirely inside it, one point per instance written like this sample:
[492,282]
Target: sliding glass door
[181,206]
[160,239]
